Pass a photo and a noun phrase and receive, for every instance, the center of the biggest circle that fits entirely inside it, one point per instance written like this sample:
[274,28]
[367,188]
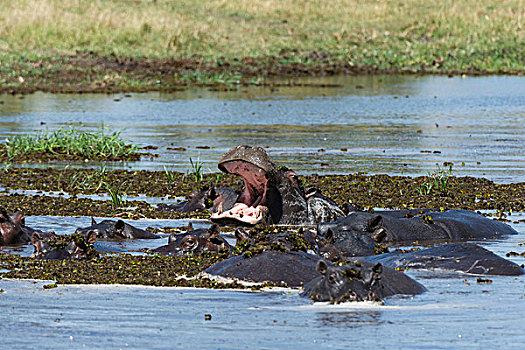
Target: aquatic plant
[170,176]
[196,169]
[438,180]
[71,141]
[116,194]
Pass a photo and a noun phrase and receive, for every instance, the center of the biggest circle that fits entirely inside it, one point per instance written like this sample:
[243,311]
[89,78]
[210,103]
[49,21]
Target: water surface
[376,124]
[382,122]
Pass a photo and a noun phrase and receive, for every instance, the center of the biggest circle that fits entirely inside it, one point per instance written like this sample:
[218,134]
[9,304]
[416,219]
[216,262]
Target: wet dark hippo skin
[458,256]
[111,229]
[298,269]
[359,281]
[275,193]
[431,226]
[194,242]
[13,229]
[292,268]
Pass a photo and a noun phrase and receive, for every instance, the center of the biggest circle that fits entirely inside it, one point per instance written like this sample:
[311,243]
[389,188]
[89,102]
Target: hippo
[431,226]
[457,256]
[110,229]
[358,281]
[271,194]
[195,242]
[13,229]
[212,199]
[76,246]
[292,268]
[354,281]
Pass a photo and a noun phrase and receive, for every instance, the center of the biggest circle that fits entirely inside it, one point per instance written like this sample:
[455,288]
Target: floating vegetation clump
[154,270]
[69,143]
[360,191]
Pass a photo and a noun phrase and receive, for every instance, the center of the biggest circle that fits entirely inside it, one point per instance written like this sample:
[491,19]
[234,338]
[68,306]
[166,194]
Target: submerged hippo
[448,225]
[352,282]
[195,242]
[76,246]
[111,229]
[13,229]
[272,195]
[358,281]
[459,256]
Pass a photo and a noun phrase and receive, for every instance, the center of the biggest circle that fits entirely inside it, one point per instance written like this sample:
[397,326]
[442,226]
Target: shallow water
[479,120]
[383,122]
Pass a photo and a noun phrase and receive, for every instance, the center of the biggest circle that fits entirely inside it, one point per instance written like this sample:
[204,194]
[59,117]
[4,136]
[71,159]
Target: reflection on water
[349,319]
[378,124]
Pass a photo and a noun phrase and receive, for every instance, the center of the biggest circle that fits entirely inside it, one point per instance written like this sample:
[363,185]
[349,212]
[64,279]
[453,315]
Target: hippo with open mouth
[271,195]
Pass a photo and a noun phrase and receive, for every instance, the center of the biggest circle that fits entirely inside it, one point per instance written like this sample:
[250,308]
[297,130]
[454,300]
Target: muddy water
[478,120]
[380,124]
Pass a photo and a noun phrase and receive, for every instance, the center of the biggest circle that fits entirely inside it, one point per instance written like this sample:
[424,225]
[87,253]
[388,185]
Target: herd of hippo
[335,254]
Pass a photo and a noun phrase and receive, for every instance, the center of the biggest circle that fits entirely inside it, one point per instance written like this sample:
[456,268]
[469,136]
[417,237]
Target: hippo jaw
[253,165]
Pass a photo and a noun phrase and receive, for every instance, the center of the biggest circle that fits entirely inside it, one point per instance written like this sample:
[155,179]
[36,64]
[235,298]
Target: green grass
[400,35]
[438,181]
[72,141]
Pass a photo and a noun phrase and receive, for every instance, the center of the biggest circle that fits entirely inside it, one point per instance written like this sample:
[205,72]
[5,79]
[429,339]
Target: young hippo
[76,246]
[195,242]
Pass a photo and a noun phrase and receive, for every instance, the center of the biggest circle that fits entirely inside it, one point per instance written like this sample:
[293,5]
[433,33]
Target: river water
[373,124]
[383,131]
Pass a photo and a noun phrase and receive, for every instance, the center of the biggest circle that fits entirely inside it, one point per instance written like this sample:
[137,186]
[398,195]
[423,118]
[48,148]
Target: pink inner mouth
[251,204]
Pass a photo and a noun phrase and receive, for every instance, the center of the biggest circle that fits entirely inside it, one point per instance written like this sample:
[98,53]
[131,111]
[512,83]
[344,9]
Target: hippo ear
[212,192]
[93,222]
[329,235]
[91,236]
[377,268]
[119,226]
[322,267]
[374,223]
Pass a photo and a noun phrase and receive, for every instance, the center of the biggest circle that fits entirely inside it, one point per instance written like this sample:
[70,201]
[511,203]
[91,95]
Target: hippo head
[111,229]
[11,227]
[350,282]
[51,246]
[197,241]
[358,225]
[273,195]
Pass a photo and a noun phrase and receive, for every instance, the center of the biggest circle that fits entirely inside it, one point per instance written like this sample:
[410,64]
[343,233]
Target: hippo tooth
[219,209]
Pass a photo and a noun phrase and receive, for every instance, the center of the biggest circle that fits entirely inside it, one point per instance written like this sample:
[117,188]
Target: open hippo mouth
[253,165]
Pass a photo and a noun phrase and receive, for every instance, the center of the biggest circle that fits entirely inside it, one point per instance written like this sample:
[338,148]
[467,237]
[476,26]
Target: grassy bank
[69,144]
[218,40]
